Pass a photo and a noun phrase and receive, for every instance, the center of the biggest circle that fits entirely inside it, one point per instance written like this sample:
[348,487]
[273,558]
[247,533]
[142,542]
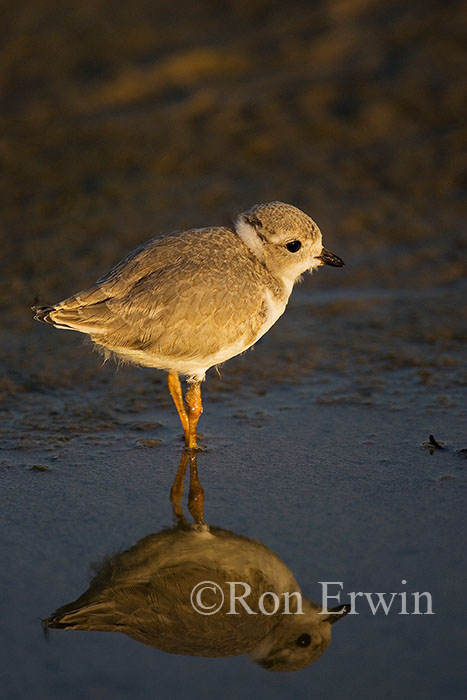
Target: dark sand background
[120,120]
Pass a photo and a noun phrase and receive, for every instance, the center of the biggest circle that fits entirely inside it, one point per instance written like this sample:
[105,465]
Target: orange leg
[196,492]
[194,410]
[176,492]
[175,389]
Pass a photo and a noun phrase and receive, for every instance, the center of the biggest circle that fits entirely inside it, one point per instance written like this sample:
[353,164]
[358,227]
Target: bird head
[285,239]
[298,640]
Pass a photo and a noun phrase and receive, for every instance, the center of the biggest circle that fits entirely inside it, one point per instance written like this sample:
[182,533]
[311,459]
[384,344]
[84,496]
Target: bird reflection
[174,591]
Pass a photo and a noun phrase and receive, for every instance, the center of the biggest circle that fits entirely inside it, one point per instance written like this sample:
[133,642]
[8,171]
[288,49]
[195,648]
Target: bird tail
[98,615]
[86,312]
[58,317]
[42,313]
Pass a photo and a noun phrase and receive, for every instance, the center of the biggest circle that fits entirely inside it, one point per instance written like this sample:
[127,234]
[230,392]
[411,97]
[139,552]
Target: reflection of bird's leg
[194,410]
[175,389]
[176,492]
[196,492]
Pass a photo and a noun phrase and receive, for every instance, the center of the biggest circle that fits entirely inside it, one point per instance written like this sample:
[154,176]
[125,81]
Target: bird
[189,300]
[172,590]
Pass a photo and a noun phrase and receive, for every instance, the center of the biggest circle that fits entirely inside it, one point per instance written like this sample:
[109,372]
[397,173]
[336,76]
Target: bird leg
[173,382]
[196,492]
[176,492]
[194,410]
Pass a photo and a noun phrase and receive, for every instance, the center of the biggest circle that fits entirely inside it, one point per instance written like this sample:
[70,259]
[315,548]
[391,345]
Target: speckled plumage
[189,300]
[168,306]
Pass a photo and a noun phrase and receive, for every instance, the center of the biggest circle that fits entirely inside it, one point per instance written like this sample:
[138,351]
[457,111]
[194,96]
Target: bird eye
[293,246]
[304,640]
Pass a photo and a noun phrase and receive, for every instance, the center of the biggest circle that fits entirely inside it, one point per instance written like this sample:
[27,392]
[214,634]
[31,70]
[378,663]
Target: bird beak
[338,613]
[328,258]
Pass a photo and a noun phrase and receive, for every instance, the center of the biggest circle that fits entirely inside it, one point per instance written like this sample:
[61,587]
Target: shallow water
[317,442]
[342,492]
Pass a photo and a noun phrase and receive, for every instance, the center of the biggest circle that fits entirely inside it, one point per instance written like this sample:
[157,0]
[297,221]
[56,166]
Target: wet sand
[119,125]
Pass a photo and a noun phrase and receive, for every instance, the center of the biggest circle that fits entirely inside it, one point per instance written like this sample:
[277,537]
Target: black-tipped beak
[328,258]
[338,613]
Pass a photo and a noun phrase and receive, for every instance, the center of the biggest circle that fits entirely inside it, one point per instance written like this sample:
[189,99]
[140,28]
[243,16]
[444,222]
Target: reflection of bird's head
[298,640]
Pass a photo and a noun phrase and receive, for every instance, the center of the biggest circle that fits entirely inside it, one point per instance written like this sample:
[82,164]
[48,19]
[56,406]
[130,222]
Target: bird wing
[177,294]
[160,612]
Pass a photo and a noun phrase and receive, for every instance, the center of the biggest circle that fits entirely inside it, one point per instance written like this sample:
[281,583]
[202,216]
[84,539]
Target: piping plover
[188,300]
